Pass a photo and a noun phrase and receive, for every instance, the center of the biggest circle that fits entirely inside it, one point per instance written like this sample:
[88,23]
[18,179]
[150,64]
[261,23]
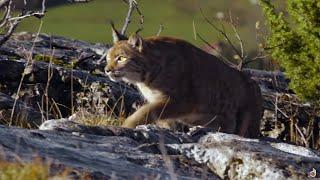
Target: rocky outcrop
[24,115]
[148,152]
[50,77]
[57,76]
[77,82]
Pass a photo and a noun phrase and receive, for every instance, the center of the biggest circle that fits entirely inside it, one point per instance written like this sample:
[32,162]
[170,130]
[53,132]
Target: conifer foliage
[296,45]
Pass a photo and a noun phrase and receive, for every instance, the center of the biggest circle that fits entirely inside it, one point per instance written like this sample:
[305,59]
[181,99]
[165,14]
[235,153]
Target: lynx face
[125,61]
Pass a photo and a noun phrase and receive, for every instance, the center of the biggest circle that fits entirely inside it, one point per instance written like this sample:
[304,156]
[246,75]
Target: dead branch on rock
[9,21]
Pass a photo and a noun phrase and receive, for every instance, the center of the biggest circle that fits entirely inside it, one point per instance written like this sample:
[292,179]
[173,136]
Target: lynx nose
[107,70]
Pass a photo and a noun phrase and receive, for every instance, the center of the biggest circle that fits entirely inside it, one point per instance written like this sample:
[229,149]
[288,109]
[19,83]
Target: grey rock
[23,113]
[150,152]
[233,157]
[101,155]
[91,91]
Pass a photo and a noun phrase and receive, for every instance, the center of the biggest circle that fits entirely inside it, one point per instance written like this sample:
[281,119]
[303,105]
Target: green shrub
[296,45]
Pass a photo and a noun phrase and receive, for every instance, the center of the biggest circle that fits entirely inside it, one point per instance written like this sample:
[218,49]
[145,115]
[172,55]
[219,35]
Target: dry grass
[29,171]
[90,119]
[299,121]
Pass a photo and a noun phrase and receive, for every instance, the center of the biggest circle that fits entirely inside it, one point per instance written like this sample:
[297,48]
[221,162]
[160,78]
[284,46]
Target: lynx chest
[151,95]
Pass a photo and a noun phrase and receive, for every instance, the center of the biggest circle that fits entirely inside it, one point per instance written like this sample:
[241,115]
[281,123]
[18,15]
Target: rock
[285,116]
[76,78]
[62,51]
[149,152]
[24,114]
[233,157]
[130,154]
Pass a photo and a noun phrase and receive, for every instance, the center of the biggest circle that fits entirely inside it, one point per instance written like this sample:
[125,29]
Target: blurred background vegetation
[179,18]
[89,21]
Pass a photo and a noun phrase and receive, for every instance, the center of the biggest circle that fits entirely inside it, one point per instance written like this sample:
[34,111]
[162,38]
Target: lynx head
[125,60]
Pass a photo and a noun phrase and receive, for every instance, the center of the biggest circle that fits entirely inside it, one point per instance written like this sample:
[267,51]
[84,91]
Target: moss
[45,58]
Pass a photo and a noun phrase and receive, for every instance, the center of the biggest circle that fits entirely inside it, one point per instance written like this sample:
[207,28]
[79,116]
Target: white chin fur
[115,79]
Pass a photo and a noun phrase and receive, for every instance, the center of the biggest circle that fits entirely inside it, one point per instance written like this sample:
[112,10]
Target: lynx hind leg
[227,122]
[249,123]
[254,126]
[254,112]
[150,113]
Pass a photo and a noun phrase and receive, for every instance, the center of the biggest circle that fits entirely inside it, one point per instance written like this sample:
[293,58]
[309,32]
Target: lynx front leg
[151,112]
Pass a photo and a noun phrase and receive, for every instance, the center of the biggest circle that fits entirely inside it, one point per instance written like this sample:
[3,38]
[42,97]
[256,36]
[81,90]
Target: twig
[3,3]
[6,14]
[167,161]
[194,30]
[49,76]
[11,21]
[160,29]
[223,33]
[224,59]
[302,135]
[242,58]
[133,5]
[255,59]
[128,18]
[25,72]
[205,125]
[10,31]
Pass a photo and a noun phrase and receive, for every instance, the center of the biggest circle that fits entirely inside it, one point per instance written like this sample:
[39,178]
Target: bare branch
[128,18]
[224,59]
[161,27]
[10,22]
[242,58]
[224,34]
[133,5]
[258,57]
[3,3]
[10,31]
[194,30]
[6,14]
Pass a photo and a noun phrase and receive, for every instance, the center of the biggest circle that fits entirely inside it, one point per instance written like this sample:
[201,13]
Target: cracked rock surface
[150,152]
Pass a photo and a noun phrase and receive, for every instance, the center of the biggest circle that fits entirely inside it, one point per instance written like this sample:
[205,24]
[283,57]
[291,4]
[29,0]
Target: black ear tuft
[116,35]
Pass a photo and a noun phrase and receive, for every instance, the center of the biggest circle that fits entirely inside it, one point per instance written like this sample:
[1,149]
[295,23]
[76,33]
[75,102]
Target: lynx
[182,83]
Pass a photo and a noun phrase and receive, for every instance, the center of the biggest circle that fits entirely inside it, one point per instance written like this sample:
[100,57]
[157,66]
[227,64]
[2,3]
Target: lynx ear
[116,35]
[136,41]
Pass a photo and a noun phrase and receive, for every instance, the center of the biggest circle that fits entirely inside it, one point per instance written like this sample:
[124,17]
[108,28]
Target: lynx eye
[121,59]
